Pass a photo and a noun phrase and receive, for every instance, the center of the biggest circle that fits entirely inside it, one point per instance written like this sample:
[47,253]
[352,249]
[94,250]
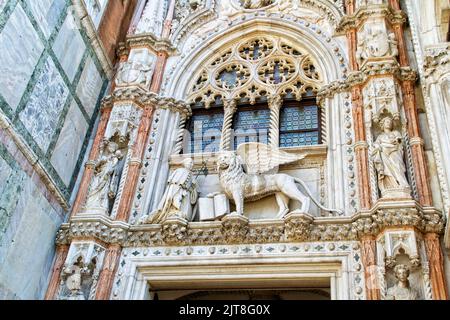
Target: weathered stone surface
[69,46]
[21,49]
[89,86]
[46,13]
[70,142]
[47,100]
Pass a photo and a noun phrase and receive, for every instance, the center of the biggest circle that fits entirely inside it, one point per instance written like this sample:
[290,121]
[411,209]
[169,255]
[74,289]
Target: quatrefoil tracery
[256,68]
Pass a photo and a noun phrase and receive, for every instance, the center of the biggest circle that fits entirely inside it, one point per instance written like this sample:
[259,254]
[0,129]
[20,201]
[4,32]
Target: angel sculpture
[259,180]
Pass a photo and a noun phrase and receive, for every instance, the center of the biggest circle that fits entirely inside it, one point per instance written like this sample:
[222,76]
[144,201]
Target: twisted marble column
[230,108]
[180,137]
[275,104]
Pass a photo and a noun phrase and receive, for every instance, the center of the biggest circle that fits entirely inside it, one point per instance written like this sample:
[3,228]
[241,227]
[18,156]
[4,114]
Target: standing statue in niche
[180,196]
[402,290]
[388,159]
[75,274]
[105,182]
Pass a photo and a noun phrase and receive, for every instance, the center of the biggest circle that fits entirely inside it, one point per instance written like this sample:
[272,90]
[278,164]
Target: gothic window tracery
[249,75]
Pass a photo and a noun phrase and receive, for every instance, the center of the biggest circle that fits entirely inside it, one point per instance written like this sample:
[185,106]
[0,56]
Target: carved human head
[112,147]
[401,272]
[188,163]
[387,123]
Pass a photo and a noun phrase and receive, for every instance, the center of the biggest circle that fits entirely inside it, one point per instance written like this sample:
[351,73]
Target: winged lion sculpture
[248,175]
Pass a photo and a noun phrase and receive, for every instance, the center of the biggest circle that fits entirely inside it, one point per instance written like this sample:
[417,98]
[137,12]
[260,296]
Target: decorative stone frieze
[233,229]
[437,62]
[354,20]
[144,98]
[362,77]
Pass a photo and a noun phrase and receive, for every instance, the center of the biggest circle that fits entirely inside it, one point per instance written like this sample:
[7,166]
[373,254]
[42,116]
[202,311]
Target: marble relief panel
[41,114]
[69,46]
[47,13]
[89,86]
[21,49]
[70,142]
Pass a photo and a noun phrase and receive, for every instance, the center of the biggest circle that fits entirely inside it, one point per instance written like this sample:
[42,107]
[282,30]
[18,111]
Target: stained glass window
[299,125]
[205,130]
[251,125]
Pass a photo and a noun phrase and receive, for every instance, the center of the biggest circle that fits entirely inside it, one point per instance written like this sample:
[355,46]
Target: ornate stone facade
[265,138]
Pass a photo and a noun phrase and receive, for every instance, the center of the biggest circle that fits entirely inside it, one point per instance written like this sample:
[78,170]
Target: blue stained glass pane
[299,118]
[251,126]
[299,139]
[205,130]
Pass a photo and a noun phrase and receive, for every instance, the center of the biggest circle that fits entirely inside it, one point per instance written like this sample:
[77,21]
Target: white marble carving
[138,70]
[258,182]
[179,197]
[105,182]
[213,207]
[375,42]
[402,290]
[81,270]
[388,157]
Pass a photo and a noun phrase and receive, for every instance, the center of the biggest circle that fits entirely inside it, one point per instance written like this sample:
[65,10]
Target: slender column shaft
[368,245]
[275,104]
[229,111]
[106,278]
[180,137]
[124,209]
[158,75]
[436,264]
[361,150]
[60,258]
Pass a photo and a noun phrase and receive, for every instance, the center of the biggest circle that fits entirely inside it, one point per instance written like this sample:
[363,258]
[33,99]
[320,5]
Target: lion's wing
[260,158]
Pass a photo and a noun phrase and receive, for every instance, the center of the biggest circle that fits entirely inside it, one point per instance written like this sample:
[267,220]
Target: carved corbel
[235,228]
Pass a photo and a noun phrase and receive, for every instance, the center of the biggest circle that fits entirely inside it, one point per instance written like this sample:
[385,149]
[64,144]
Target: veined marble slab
[28,259]
[44,107]
[70,142]
[89,87]
[47,13]
[69,46]
[21,49]
[2,4]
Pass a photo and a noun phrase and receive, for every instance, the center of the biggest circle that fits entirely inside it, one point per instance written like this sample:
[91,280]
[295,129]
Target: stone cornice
[355,20]
[147,40]
[144,98]
[357,78]
[237,229]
